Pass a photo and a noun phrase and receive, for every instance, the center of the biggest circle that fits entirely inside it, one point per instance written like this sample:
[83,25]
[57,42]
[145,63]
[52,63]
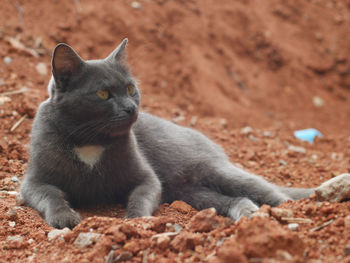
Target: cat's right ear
[66,65]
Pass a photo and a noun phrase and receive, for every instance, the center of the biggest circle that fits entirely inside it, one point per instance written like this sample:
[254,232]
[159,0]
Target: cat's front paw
[63,218]
[243,208]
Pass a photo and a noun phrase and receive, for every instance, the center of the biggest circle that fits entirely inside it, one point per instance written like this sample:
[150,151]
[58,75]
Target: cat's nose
[130,110]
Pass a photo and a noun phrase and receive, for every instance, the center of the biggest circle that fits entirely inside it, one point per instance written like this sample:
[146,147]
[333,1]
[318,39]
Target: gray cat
[90,144]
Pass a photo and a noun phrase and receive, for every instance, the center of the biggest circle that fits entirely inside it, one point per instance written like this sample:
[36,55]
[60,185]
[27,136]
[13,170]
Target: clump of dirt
[275,66]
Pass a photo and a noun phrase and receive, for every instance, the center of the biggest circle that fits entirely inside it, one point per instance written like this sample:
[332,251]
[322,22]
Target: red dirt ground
[217,66]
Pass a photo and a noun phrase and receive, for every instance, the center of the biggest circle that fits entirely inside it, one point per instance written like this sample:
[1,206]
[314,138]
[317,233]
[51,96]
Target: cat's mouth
[121,127]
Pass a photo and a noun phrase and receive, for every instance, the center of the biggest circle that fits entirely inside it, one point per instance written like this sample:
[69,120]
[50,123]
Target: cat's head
[100,95]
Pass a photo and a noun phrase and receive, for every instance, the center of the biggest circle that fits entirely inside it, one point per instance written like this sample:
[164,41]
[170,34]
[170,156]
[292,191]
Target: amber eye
[130,90]
[103,94]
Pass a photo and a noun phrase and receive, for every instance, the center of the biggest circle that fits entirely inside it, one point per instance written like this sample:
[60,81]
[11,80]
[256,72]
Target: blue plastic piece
[307,134]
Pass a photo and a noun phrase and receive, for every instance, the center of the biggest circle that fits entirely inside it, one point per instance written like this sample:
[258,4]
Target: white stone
[12,224]
[293,226]
[334,190]
[89,154]
[86,239]
[57,233]
[246,130]
[296,149]
[41,68]
[16,238]
[4,99]
[318,102]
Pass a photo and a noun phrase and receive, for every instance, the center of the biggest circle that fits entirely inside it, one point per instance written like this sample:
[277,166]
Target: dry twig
[15,126]
[322,225]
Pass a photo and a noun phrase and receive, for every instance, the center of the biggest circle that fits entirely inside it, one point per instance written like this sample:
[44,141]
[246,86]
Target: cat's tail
[297,193]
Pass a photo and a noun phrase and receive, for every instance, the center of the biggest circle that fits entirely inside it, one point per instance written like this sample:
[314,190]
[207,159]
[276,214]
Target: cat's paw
[63,218]
[243,208]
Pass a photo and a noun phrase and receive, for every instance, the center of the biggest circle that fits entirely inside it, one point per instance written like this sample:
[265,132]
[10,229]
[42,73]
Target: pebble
[4,99]
[57,233]
[253,138]
[281,212]
[12,224]
[12,213]
[296,149]
[204,221]
[16,238]
[267,134]
[14,179]
[246,130]
[336,189]
[7,60]
[318,102]
[41,68]
[123,256]
[293,226]
[136,5]
[282,162]
[86,239]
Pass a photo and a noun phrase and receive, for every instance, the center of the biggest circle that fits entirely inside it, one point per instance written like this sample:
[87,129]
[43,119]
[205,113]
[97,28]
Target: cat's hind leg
[202,198]
[231,181]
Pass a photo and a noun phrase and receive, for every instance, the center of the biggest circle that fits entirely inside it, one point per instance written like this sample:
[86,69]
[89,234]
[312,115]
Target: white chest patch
[89,154]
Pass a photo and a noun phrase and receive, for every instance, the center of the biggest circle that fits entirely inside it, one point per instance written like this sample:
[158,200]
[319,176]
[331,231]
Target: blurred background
[275,63]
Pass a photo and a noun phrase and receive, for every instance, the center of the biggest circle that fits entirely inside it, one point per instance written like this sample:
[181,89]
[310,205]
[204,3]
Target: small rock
[267,134]
[318,102]
[4,99]
[41,68]
[14,179]
[12,224]
[204,221]
[136,5]
[336,189]
[30,240]
[16,238]
[7,60]
[223,122]
[193,121]
[123,257]
[181,206]
[260,214]
[86,239]
[347,250]
[293,226]
[282,162]
[296,149]
[163,242]
[281,212]
[283,255]
[252,138]
[246,130]
[57,233]
[12,213]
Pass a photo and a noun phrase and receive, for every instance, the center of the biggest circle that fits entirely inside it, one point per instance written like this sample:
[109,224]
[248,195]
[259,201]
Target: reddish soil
[216,67]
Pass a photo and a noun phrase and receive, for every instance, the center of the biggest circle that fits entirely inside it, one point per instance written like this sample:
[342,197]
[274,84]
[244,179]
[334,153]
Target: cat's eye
[130,90]
[103,94]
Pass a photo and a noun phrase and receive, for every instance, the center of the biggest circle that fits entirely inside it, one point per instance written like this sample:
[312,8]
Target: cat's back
[166,144]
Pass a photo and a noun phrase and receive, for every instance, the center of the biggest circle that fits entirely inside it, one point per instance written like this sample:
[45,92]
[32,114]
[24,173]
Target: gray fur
[144,160]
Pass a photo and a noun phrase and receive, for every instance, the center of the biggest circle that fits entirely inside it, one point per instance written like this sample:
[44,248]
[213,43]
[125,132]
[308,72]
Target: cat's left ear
[119,53]
[66,65]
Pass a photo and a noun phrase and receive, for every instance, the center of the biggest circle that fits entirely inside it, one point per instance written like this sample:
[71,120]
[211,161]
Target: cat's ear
[66,65]
[119,53]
